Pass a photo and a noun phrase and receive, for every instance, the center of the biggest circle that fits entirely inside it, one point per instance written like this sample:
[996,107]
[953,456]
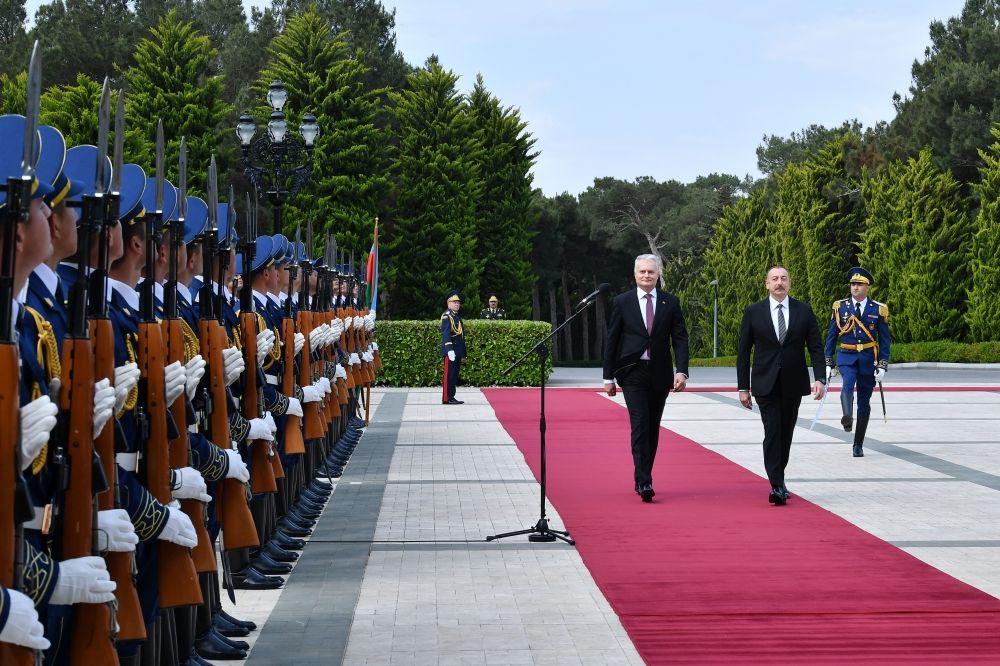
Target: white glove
[337,328]
[358,323]
[879,374]
[340,372]
[323,384]
[294,407]
[265,343]
[237,468]
[355,359]
[38,418]
[370,322]
[178,529]
[83,580]
[374,346]
[311,394]
[174,380]
[300,341]
[115,531]
[314,337]
[232,360]
[126,377]
[260,429]
[104,404]
[22,627]
[367,357]
[348,322]
[328,338]
[269,420]
[195,370]
[190,484]
[829,373]
[451,355]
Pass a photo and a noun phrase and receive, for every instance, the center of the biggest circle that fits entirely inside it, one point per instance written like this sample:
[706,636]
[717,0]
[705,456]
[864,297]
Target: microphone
[603,289]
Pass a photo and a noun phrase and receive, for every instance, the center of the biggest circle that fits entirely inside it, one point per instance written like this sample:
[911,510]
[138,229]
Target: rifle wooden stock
[261,472]
[314,426]
[180,452]
[231,502]
[130,623]
[178,579]
[92,633]
[294,442]
[15,655]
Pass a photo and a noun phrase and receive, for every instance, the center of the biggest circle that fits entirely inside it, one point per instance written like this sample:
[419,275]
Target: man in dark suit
[645,324]
[776,329]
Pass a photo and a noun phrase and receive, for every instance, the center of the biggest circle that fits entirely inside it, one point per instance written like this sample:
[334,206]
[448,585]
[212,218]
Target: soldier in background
[452,347]
[493,311]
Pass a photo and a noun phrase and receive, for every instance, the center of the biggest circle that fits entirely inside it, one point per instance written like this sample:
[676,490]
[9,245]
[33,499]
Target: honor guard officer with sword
[452,347]
[858,341]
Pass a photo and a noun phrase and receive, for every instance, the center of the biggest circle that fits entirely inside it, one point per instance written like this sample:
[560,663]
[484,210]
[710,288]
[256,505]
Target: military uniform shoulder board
[444,316]
[883,310]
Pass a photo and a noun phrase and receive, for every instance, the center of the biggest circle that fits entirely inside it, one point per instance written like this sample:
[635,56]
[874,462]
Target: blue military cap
[453,295]
[196,220]
[133,186]
[280,249]
[169,197]
[263,254]
[860,275]
[81,166]
[11,153]
[226,219]
[51,167]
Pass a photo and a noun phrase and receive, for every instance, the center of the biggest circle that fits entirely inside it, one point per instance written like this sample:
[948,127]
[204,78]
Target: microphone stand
[541,532]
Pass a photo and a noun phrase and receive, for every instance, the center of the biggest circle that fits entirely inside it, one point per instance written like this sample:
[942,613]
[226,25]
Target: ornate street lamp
[278,164]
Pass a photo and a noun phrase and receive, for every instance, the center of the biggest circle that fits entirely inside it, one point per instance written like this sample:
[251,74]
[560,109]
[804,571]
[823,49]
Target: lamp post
[715,318]
[279,164]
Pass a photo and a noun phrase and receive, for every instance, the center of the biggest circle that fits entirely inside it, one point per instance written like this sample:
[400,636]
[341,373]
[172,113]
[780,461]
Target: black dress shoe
[647,492]
[453,401]
[784,491]
[266,565]
[859,452]
[239,645]
[637,489]
[847,422]
[287,541]
[227,628]
[211,645]
[251,579]
[252,626]
[279,554]
[195,660]
[777,497]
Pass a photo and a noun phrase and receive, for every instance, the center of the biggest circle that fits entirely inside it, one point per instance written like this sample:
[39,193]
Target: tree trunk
[568,331]
[536,305]
[554,318]
[585,323]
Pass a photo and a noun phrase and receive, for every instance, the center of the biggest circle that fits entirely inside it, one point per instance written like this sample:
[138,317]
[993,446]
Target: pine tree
[173,79]
[983,313]
[431,245]
[324,77]
[504,216]
[916,244]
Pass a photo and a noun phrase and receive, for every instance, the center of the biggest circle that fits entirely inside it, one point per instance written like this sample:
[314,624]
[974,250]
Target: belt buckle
[861,347]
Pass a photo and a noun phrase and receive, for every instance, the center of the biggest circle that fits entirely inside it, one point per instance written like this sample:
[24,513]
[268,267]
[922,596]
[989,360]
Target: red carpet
[711,573]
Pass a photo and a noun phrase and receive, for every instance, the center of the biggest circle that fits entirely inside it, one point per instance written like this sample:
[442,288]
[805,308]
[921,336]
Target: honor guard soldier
[452,347]
[494,311]
[857,341]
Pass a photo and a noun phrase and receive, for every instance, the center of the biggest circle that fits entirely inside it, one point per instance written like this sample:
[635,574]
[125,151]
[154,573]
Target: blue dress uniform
[452,340]
[857,339]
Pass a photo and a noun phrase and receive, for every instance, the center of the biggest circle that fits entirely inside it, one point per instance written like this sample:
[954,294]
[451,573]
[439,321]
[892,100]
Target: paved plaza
[398,570]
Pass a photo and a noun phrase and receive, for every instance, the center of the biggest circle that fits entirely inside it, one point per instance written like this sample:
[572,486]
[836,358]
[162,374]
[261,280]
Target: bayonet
[213,196]
[159,167]
[103,123]
[119,150]
[30,151]
[182,163]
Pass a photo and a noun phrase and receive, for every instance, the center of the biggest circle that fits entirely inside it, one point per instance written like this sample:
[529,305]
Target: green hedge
[410,352]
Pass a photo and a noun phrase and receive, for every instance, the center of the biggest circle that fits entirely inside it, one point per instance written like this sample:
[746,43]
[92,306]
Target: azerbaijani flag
[371,272]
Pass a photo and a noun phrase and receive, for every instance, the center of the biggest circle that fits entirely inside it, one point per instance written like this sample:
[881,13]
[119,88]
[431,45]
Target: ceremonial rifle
[178,579]
[79,475]
[231,507]
[294,442]
[262,475]
[15,506]
[174,336]
[314,425]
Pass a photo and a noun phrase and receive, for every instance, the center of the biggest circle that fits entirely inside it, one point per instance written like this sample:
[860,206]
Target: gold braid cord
[47,352]
[192,346]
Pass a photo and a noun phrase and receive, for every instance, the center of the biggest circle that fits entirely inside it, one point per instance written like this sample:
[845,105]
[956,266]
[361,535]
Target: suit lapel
[765,310]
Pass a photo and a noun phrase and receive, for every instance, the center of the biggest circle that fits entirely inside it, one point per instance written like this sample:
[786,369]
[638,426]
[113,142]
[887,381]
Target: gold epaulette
[883,310]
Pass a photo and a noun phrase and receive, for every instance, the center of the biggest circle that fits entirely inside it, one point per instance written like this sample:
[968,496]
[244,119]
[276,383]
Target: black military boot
[847,406]
[859,436]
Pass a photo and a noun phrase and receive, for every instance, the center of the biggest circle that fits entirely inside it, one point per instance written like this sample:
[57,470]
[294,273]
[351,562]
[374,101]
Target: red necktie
[649,323]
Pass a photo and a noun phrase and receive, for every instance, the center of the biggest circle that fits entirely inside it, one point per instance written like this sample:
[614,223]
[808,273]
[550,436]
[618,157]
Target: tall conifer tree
[983,313]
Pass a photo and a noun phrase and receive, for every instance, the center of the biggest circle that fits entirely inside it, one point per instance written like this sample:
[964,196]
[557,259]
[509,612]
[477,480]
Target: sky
[670,89]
